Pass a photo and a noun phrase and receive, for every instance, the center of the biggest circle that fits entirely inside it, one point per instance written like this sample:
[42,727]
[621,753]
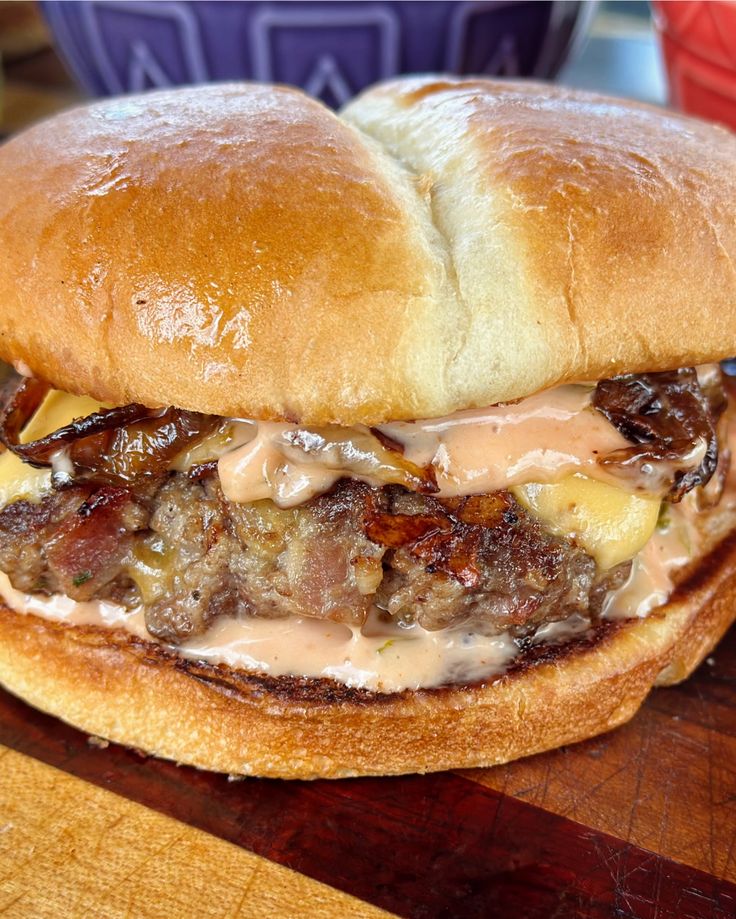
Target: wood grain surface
[68,848]
[666,781]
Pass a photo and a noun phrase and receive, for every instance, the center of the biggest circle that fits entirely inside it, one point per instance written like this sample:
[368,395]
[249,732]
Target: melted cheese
[545,447]
[19,480]
[57,410]
[150,568]
[611,524]
[652,575]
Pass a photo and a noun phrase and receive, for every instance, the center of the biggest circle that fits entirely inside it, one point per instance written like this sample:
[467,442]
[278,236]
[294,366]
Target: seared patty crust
[190,556]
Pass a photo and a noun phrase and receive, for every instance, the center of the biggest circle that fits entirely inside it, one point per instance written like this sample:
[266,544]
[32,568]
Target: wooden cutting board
[637,823]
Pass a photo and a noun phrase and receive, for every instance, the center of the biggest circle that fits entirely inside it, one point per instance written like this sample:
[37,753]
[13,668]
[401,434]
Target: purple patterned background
[331,49]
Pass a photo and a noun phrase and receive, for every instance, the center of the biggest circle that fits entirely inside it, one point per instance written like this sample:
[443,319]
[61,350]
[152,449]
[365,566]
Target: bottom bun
[114,685]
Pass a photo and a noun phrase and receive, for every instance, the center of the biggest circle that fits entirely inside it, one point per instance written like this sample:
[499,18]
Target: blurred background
[55,53]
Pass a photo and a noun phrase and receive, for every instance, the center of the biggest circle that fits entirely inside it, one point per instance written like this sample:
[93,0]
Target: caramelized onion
[21,399]
[115,445]
[671,421]
[142,449]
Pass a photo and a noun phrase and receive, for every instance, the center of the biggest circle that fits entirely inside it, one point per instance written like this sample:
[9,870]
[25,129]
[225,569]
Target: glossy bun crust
[134,692]
[240,250]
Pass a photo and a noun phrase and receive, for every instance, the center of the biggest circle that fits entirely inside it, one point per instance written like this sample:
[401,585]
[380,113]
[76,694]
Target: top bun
[240,250]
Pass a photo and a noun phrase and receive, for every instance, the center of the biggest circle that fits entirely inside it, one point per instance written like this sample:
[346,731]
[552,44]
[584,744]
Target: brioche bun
[241,250]
[114,685]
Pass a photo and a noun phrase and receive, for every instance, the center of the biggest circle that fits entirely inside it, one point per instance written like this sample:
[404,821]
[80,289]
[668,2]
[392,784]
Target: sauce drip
[652,573]
[378,657]
[540,439]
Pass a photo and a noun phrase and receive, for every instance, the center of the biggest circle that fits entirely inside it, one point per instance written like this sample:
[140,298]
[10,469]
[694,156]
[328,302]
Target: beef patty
[126,528]
[190,555]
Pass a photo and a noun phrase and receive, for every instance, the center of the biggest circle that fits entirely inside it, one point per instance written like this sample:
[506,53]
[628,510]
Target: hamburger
[375,443]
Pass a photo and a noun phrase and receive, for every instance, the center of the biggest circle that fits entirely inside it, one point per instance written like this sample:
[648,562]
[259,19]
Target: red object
[698,40]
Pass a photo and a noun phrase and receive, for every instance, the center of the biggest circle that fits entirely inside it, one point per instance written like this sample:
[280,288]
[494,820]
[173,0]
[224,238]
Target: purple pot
[332,50]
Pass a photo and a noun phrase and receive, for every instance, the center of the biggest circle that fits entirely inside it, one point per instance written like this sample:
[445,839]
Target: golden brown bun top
[240,250]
